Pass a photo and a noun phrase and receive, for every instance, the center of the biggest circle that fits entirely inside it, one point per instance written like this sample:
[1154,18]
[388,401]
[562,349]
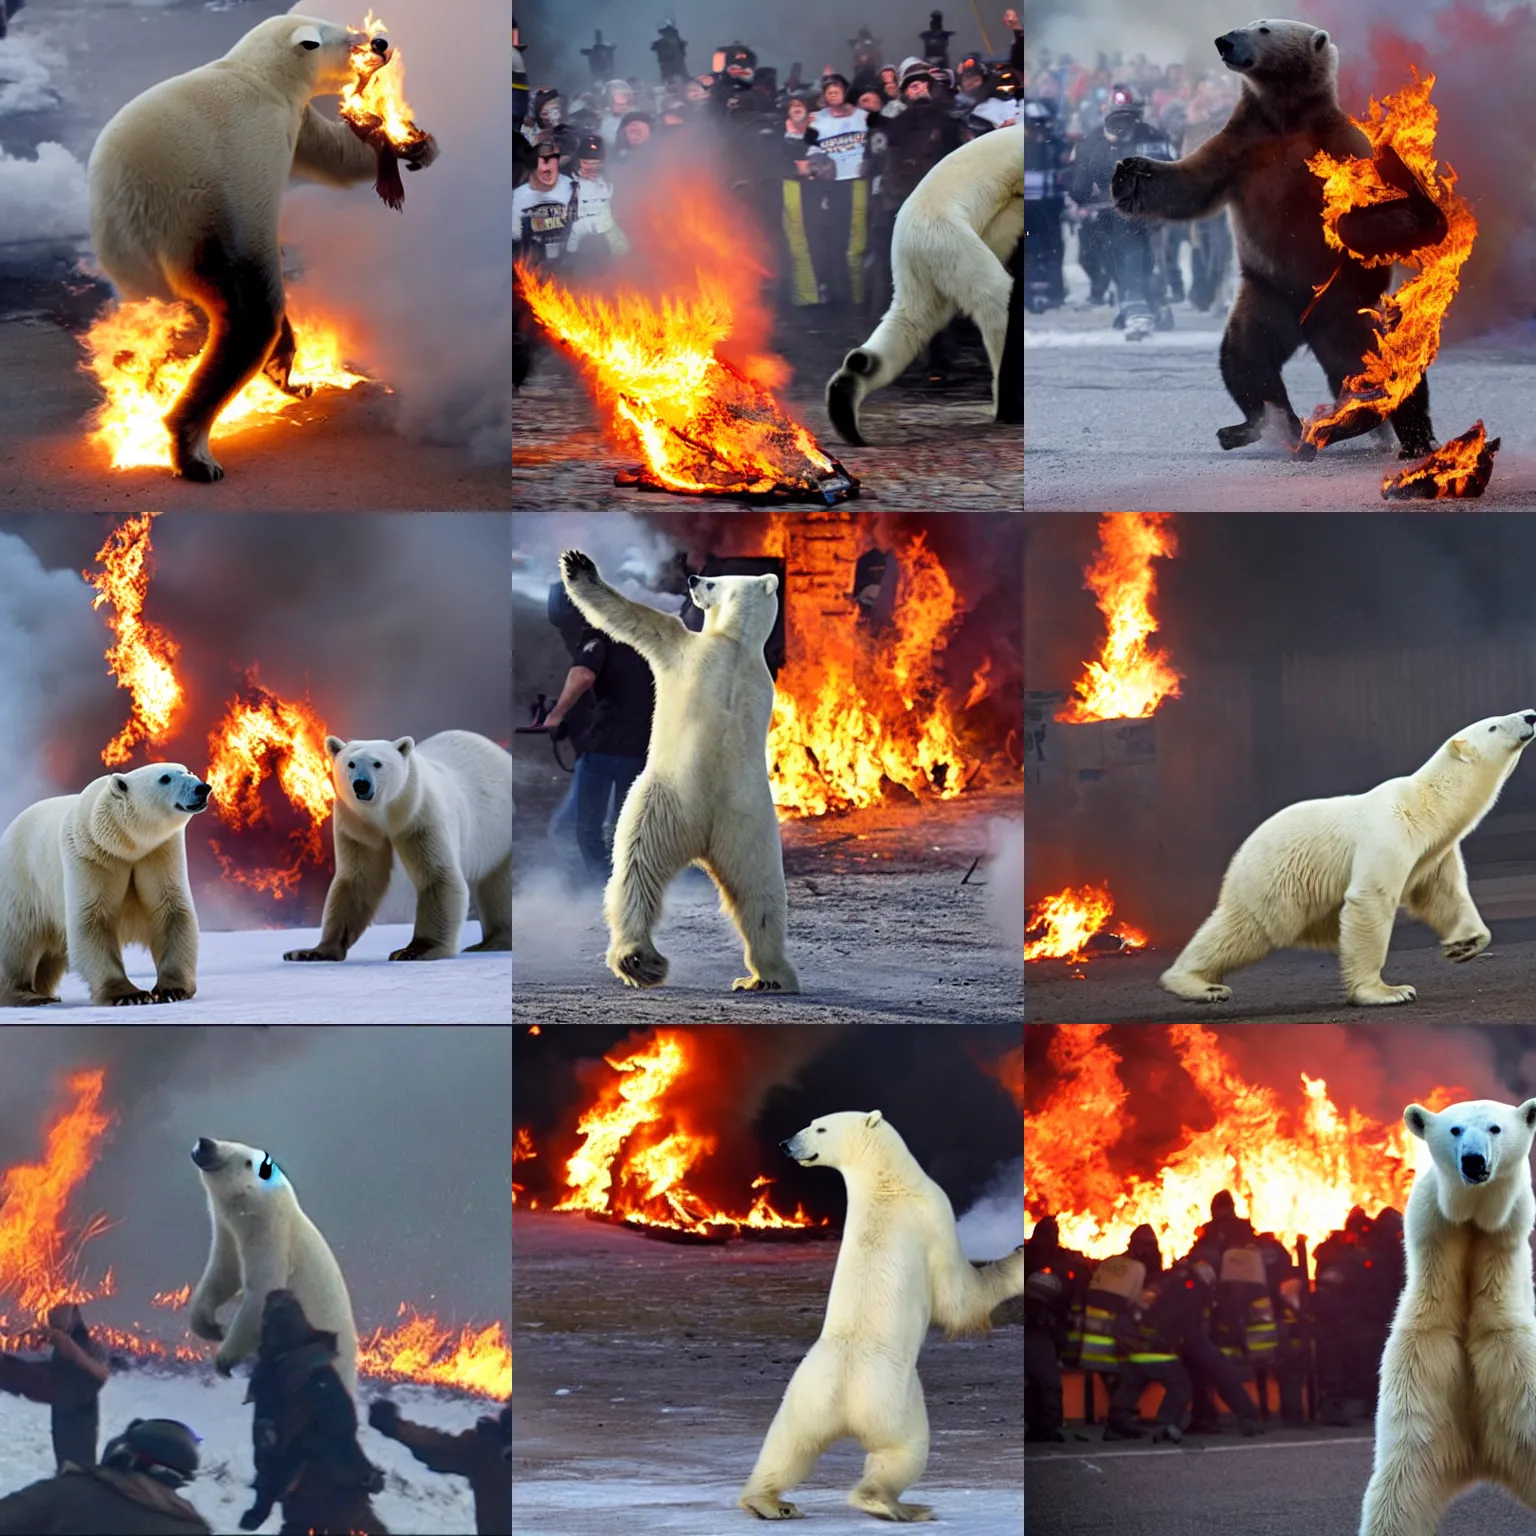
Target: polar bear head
[304,56]
[844,1139]
[743,607]
[369,774]
[1289,59]
[1481,1151]
[141,809]
[1474,763]
[241,1181]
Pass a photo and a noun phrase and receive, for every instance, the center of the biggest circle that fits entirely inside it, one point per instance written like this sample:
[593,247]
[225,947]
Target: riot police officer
[1045,156]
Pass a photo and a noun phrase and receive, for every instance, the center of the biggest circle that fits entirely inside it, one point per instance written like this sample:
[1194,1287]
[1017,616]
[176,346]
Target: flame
[1407,321]
[522,1152]
[637,1151]
[1295,1166]
[857,707]
[377,96]
[142,353]
[1070,920]
[1008,1072]
[1131,677]
[1461,468]
[421,1349]
[981,684]
[264,734]
[174,1300]
[142,656]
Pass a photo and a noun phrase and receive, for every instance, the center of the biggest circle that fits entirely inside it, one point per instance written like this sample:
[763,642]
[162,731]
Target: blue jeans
[601,777]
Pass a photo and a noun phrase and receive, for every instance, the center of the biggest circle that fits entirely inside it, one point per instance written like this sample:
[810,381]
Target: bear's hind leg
[1261,335]
[1365,930]
[1226,941]
[34,982]
[755,899]
[279,366]
[896,1457]
[987,304]
[1415,432]
[651,843]
[493,900]
[806,1423]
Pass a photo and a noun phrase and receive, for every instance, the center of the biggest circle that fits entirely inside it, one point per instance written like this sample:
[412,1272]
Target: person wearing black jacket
[482,1454]
[69,1381]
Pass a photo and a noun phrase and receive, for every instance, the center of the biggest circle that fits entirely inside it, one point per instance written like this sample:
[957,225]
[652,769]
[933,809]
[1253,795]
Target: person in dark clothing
[482,1454]
[69,1381]
[133,1492]
[1226,1229]
[1181,1314]
[304,1432]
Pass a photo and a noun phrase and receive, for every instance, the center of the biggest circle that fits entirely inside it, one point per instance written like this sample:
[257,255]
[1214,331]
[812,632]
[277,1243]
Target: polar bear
[185,185]
[263,1242]
[83,875]
[1458,1376]
[1331,874]
[950,248]
[703,797]
[899,1267]
[1294,290]
[445,806]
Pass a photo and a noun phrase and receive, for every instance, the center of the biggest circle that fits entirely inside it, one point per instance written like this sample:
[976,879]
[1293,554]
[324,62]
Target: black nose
[1224,45]
[693,581]
[362,789]
[1474,1166]
[1529,719]
[204,1152]
[784,1146]
[380,46]
[201,793]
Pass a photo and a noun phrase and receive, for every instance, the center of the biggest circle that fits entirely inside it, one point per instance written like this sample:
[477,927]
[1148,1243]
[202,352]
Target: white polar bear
[83,875]
[1331,874]
[445,806]
[950,248]
[1458,1377]
[703,797]
[263,1242]
[185,185]
[899,1267]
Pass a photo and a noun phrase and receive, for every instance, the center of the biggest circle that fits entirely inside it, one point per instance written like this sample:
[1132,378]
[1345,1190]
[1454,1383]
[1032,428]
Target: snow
[242,978]
[414,1499]
[45,198]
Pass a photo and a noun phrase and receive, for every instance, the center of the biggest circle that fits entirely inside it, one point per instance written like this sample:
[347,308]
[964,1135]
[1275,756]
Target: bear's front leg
[1441,900]
[442,899]
[1365,930]
[362,878]
[92,917]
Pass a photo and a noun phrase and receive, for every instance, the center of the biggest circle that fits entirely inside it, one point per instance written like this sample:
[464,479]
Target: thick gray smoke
[398,1142]
[994,1225]
[429,289]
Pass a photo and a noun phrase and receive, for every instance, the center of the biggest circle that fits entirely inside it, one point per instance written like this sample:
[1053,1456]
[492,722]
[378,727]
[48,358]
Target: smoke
[27,66]
[45,198]
[428,290]
[349,1113]
[994,1226]
[631,554]
[1005,879]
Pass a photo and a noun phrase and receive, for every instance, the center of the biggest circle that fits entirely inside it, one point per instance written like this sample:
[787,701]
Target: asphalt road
[1298,987]
[1287,1482]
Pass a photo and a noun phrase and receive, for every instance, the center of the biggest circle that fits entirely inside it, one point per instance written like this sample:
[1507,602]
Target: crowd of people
[1079,122]
[822,161]
[304,1436]
[1237,1311]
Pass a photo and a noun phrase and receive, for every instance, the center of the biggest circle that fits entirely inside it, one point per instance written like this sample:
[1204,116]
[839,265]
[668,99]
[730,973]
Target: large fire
[640,1143]
[857,707]
[1295,1164]
[40,1266]
[1067,924]
[142,353]
[1401,130]
[142,657]
[1131,677]
[264,735]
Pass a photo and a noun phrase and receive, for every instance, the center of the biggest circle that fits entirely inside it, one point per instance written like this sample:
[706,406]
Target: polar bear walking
[1458,1377]
[1331,874]
[950,246]
[899,1267]
[703,797]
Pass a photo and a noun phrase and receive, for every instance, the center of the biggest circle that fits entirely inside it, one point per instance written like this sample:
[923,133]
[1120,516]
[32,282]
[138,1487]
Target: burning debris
[1459,470]
[1131,677]
[1073,926]
[374,107]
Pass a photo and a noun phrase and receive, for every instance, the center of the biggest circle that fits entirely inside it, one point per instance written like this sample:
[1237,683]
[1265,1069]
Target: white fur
[899,1268]
[263,1242]
[444,806]
[83,875]
[1331,874]
[703,797]
[949,244]
[1458,1377]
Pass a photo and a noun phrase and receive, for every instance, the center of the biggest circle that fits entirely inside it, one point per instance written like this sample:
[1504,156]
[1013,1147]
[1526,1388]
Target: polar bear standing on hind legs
[1458,1376]
[1331,874]
[899,1268]
[950,247]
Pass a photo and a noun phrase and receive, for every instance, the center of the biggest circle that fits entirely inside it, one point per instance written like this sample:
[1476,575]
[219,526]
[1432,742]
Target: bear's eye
[247,1162]
[1455,1130]
[309,44]
[1263,31]
[165,778]
[351,765]
[1495,1130]
[821,1130]
[1492,729]
[265,1171]
[377,763]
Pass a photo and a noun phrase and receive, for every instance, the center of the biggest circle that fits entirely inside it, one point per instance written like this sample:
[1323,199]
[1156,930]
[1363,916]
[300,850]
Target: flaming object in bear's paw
[374,107]
[1461,469]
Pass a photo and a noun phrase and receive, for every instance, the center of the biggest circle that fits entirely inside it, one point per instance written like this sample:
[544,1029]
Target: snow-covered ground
[415,1501]
[242,978]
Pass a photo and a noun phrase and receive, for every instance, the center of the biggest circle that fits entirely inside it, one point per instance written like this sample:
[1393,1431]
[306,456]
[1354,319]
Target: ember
[1131,677]
[1461,469]
[1072,925]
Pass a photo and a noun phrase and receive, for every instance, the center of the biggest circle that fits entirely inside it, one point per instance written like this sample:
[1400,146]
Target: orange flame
[263,734]
[1070,919]
[636,1150]
[174,1300]
[1461,468]
[1008,1072]
[421,1349]
[1407,321]
[377,95]
[142,353]
[1131,677]
[142,656]
[855,707]
[522,1152]
[1295,1166]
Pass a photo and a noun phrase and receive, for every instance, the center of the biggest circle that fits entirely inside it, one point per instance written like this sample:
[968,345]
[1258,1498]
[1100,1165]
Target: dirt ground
[884,925]
[658,1368]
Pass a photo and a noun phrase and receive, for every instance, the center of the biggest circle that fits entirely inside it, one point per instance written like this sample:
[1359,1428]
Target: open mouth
[1474,1178]
[805,1162]
[192,810]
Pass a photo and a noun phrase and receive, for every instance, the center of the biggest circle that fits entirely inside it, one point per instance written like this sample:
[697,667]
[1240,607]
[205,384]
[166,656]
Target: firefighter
[1243,1323]
[1183,1314]
[1120,1340]
[1050,1273]
[1348,1353]
[1288,1295]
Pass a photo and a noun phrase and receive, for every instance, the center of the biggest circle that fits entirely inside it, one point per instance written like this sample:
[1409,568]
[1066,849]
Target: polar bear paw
[1464,949]
[884,1507]
[577,567]
[768,1506]
[135,999]
[761,984]
[1378,994]
[1193,989]
[638,965]
[194,461]
[171,994]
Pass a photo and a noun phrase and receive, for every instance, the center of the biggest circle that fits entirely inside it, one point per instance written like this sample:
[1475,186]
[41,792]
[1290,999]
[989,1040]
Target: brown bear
[1256,166]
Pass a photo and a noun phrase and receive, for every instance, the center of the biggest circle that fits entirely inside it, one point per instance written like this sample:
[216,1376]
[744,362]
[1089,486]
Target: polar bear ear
[305,37]
[405,745]
[1418,1119]
[1462,748]
[333,745]
[770,584]
[1527,1113]
[119,786]
[1319,41]
[872,1119]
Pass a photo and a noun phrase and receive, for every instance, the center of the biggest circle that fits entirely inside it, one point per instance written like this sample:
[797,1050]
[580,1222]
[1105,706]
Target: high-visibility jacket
[1115,1285]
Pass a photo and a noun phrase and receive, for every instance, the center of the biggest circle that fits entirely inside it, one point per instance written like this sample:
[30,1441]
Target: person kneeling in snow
[69,1382]
[132,1493]
[482,1454]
